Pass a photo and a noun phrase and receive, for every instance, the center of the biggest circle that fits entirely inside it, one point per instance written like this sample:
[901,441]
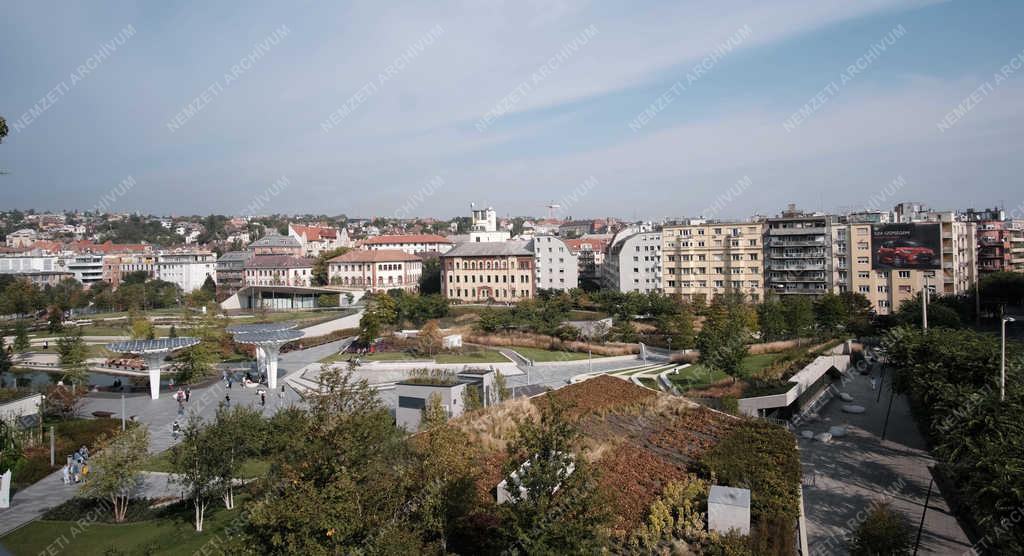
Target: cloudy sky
[628,109]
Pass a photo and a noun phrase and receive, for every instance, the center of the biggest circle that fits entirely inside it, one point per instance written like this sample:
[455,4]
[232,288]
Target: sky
[637,110]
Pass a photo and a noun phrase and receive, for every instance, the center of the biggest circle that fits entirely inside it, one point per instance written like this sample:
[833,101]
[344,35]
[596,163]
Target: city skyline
[659,112]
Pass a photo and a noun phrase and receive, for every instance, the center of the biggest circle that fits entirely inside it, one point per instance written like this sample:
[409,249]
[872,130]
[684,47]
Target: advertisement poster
[906,246]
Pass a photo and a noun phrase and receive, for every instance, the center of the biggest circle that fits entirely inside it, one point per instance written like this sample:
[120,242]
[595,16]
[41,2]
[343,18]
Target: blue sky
[571,126]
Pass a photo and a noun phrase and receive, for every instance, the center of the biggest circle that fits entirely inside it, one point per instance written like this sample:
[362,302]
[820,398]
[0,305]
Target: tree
[73,353]
[678,327]
[115,470]
[173,332]
[55,321]
[724,337]
[799,312]
[236,434]
[429,339]
[501,386]
[5,358]
[195,468]
[430,276]
[554,506]
[196,362]
[623,331]
[434,413]
[320,270]
[884,531]
[831,312]
[369,327]
[21,342]
[20,297]
[142,328]
[3,129]
[772,319]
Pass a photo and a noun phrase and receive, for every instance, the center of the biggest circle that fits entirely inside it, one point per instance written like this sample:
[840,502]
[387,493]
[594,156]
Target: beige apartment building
[477,272]
[703,259]
[886,289]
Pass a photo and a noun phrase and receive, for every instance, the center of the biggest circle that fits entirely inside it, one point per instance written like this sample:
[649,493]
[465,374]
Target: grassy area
[650,383]
[695,376]
[475,356]
[172,534]
[540,355]
[752,364]
[161,463]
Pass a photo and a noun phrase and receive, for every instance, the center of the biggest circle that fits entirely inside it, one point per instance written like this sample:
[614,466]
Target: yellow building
[702,259]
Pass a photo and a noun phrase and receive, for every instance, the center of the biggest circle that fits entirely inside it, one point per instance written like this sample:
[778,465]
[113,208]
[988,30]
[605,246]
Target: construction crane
[552,208]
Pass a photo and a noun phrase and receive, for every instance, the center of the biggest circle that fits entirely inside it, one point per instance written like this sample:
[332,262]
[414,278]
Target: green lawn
[752,364]
[477,356]
[161,463]
[540,355]
[650,383]
[698,376]
[174,534]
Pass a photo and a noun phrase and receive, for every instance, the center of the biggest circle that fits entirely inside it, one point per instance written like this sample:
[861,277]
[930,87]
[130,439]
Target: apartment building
[556,266]
[703,259]
[278,270]
[187,269]
[633,262]
[316,239]
[590,254]
[87,268]
[231,271]
[376,270]
[116,267]
[1015,228]
[798,256]
[411,243]
[276,244]
[478,272]
[22,238]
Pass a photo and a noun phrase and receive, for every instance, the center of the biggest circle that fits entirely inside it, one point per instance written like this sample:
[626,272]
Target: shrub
[884,531]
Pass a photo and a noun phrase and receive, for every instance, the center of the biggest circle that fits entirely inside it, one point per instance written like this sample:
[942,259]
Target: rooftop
[491,249]
[406,238]
[276,240]
[279,261]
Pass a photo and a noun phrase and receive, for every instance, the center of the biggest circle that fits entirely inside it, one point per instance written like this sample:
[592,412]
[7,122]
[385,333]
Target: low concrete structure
[15,410]
[413,395]
[729,510]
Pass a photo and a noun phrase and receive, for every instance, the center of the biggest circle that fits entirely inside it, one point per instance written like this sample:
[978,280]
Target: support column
[271,352]
[153,361]
[261,360]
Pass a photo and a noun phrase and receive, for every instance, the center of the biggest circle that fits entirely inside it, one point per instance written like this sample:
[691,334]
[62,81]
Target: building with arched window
[478,272]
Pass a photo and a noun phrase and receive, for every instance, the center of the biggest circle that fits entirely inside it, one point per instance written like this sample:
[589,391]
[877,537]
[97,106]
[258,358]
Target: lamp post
[924,304]
[1002,361]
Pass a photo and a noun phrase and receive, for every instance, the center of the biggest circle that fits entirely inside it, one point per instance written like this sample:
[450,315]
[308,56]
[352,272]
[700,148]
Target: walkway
[843,478]
[158,416]
[324,328]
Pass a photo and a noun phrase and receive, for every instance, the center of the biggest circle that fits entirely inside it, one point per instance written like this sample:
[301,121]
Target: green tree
[501,387]
[116,467]
[884,531]
[772,318]
[623,331]
[142,328]
[434,413]
[723,340]
[55,321]
[799,312]
[236,434]
[5,358]
[430,276]
[195,362]
[320,270]
[3,129]
[20,297]
[369,327]
[678,327]
[195,468]
[73,354]
[831,312]
[21,341]
[554,506]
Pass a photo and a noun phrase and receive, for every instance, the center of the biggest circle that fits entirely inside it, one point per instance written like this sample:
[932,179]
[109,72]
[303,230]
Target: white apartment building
[22,238]
[187,269]
[556,267]
[633,262]
[484,226]
[87,268]
[376,270]
[317,239]
[410,243]
[12,264]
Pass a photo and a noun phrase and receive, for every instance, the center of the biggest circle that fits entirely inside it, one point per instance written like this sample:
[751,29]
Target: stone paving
[843,478]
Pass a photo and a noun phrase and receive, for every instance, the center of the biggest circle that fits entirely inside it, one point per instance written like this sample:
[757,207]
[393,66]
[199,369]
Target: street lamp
[1002,361]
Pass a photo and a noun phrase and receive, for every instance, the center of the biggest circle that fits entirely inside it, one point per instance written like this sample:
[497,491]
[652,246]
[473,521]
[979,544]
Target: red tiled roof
[575,245]
[375,256]
[410,238]
[315,233]
[279,261]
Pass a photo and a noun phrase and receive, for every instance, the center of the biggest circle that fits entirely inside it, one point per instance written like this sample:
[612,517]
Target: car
[905,252]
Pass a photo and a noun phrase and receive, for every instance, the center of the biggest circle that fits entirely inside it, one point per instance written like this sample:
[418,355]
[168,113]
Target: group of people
[182,396]
[77,467]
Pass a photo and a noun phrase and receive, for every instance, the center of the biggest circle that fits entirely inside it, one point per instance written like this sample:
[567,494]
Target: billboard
[910,246]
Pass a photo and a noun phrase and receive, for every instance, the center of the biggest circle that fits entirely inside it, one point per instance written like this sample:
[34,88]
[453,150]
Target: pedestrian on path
[263,397]
[65,474]
[227,400]
[188,393]
[874,382]
[175,429]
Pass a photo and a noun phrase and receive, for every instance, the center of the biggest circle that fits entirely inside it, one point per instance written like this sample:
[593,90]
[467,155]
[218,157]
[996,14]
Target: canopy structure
[268,346]
[154,352]
[261,327]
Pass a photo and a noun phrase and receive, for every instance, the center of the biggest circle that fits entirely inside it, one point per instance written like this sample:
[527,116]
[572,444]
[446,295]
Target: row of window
[752,284]
[472,278]
[489,265]
[365,266]
[715,257]
[487,293]
[715,270]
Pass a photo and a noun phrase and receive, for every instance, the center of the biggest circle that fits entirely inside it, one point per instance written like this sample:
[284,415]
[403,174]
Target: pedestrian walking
[874,382]
[229,383]
[65,474]
[188,393]
[263,398]
[227,400]
[175,429]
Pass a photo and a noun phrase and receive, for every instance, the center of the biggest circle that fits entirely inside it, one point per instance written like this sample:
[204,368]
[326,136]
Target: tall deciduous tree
[236,434]
[429,339]
[195,468]
[21,342]
[723,340]
[73,355]
[116,468]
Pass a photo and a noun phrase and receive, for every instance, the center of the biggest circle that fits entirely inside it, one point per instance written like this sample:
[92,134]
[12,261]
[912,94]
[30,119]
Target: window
[904,274]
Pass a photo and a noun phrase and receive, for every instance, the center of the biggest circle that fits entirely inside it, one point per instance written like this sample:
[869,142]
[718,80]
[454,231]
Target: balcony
[797,255]
[796,231]
[775,242]
[794,278]
[796,266]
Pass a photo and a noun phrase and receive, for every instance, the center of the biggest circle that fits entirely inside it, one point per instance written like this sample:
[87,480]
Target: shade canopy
[269,337]
[259,327]
[160,345]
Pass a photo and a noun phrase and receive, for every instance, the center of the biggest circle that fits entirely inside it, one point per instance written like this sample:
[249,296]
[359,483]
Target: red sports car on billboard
[904,252]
